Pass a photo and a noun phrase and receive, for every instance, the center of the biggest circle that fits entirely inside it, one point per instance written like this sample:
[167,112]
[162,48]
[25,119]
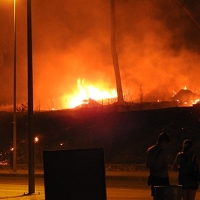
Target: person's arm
[147,160]
[197,163]
[166,163]
[176,164]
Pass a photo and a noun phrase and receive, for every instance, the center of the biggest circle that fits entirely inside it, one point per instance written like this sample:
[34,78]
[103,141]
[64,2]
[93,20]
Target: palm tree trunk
[114,55]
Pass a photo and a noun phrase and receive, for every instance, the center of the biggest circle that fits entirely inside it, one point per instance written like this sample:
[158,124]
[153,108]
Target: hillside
[124,135]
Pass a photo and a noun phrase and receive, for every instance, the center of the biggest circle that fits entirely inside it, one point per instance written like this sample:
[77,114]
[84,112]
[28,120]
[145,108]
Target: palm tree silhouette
[114,55]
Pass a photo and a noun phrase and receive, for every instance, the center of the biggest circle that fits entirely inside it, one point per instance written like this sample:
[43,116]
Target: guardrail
[108,167]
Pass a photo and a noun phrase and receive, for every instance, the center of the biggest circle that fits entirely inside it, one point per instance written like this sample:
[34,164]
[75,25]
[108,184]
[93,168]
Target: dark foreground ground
[125,136]
[119,186]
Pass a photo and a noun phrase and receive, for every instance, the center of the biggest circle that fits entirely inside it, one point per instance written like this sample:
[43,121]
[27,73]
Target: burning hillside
[186,97]
[71,39]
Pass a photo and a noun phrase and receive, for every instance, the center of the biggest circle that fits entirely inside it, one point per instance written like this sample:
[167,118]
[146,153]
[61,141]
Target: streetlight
[14,99]
[30,102]
[36,140]
[30,99]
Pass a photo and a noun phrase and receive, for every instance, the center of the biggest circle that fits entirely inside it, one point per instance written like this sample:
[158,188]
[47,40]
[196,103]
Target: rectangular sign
[74,174]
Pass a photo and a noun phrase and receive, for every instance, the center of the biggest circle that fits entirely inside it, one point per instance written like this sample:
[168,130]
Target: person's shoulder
[151,148]
[154,148]
[179,154]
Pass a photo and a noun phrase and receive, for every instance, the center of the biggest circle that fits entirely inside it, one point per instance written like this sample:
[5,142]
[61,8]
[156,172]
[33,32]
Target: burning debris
[186,97]
[89,103]
[90,95]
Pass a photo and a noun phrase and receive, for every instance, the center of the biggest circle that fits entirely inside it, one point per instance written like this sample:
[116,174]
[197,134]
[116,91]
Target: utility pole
[114,55]
[14,98]
[30,102]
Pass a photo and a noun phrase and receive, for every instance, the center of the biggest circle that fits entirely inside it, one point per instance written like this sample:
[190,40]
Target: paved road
[127,187]
[117,188]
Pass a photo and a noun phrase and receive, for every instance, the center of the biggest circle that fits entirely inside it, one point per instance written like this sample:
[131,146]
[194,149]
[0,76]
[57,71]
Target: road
[121,188]
[117,188]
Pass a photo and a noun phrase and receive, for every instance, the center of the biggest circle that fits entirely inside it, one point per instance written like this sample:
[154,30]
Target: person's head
[163,138]
[187,145]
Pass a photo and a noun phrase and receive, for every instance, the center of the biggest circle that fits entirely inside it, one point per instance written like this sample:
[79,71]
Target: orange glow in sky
[73,40]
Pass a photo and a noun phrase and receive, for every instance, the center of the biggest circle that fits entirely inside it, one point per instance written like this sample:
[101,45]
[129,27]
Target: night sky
[158,46]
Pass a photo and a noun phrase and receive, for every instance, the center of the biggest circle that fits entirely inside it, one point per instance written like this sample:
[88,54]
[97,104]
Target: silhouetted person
[157,162]
[187,164]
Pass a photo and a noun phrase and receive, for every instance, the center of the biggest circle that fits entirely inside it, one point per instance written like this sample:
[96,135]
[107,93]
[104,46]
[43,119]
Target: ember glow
[186,97]
[86,92]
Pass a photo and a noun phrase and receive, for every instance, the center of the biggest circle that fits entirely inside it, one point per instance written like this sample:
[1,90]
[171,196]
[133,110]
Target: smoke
[157,44]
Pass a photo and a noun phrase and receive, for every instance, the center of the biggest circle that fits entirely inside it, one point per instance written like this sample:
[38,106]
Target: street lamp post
[30,102]
[14,99]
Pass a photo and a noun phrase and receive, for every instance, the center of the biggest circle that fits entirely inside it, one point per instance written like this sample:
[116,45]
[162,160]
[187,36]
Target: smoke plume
[157,44]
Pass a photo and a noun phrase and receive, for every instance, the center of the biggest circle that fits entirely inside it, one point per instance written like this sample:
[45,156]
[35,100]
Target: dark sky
[158,45]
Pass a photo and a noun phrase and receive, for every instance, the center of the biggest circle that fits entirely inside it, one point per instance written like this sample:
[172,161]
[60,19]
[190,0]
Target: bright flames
[86,92]
[190,101]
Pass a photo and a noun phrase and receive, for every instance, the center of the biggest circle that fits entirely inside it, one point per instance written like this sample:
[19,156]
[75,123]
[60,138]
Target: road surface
[117,188]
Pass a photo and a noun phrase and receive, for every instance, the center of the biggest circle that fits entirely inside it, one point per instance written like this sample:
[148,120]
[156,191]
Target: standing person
[187,164]
[157,162]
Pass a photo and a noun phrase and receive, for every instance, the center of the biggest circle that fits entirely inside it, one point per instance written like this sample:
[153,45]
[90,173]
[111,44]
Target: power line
[189,13]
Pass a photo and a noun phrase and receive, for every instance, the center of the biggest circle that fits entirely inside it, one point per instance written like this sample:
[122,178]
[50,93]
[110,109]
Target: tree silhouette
[114,55]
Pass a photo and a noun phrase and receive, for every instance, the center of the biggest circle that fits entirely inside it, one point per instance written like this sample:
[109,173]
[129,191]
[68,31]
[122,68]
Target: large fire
[186,97]
[86,92]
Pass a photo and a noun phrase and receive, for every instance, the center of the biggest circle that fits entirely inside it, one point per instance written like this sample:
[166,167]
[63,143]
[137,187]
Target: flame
[196,101]
[86,92]
[190,102]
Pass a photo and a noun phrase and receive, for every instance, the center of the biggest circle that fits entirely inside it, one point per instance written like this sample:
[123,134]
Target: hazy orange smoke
[157,45]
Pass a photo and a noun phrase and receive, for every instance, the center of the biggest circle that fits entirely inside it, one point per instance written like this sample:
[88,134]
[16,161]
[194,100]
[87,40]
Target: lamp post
[14,99]
[30,102]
